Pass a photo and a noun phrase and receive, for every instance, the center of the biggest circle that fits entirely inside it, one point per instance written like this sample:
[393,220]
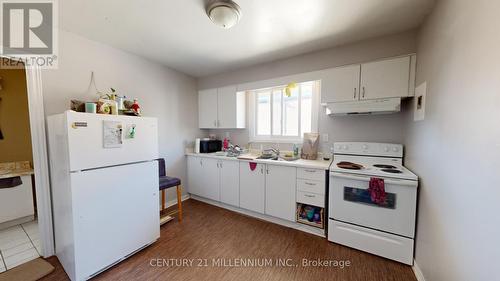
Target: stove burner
[384,166]
[394,171]
[349,165]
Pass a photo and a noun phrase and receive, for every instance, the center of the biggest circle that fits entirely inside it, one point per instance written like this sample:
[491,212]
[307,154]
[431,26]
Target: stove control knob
[345,147]
[386,149]
[395,149]
[365,147]
[339,147]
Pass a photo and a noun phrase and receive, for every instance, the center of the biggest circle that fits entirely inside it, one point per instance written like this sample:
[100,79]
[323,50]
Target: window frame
[253,114]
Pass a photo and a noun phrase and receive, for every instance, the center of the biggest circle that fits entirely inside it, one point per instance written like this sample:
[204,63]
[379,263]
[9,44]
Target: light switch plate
[419,102]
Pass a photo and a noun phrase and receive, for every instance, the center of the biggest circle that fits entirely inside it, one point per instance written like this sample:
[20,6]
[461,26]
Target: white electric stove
[384,228]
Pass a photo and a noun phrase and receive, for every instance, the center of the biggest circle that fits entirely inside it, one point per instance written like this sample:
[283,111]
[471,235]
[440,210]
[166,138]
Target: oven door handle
[367,179]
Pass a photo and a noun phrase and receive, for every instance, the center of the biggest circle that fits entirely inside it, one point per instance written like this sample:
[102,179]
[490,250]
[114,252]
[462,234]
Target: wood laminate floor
[215,239]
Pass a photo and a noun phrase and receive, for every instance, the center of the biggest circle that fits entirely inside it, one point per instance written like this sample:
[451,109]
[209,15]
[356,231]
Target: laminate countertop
[15,169]
[300,163]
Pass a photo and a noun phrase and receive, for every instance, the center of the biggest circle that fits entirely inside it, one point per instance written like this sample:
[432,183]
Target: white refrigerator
[104,181]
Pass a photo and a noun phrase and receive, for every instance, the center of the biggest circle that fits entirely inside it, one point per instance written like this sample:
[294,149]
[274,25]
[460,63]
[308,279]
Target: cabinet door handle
[309,183]
[363,91]
[309,195]
[215,123]
[354,93]
[310,171]
[220,164]
[218,123]
[261,170]
[267,171]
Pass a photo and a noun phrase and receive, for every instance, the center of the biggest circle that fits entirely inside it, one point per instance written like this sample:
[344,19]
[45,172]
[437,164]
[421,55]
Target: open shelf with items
[310,215]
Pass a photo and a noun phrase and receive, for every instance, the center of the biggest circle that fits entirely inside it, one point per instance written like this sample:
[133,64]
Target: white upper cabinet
[340,84]
[207,109]
[388,78]
[385,79]
[281,184]
[222,108]
[231,108]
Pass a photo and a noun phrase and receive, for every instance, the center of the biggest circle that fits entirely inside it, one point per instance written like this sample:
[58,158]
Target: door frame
[40,158]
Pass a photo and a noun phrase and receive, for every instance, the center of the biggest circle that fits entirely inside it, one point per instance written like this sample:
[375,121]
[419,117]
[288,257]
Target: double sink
[275,158]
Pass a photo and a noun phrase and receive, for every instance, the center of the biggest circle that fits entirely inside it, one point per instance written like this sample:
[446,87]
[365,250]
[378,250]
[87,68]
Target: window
[278,116]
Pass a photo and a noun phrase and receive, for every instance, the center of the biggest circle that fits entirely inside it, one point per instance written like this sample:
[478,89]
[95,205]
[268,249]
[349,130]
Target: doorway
[25,214]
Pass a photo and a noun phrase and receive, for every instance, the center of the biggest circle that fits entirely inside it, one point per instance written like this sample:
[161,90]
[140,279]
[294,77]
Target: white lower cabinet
[252,187]
[194,175]
[203,177]
[280,191]
[262,188]
[210,178]
[230,183]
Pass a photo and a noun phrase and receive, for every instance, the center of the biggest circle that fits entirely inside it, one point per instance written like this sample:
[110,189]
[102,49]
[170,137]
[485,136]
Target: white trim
[294,225]
[418,272]
[40,159]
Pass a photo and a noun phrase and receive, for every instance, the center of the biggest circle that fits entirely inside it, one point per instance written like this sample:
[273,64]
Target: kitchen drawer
[311,174]
[310,198]
[379,243]
[313,186]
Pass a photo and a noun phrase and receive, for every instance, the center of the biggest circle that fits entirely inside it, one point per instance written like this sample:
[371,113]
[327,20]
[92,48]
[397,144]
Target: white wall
[456,149]
[382,128]
[163,93]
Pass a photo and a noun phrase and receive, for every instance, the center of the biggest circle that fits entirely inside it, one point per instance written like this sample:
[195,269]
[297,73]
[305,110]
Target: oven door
[350,202]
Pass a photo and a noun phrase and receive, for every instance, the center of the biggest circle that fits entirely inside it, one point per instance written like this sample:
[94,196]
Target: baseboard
[18,221]
[173,202]
[294,225]
[417,271]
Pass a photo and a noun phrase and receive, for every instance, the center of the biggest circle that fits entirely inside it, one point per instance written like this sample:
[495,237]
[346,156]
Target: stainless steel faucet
[275,150]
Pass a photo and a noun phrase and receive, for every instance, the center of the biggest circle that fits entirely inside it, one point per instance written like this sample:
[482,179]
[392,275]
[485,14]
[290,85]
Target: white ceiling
[178,33]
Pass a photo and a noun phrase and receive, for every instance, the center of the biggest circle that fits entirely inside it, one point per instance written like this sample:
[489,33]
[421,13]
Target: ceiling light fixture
[224,13]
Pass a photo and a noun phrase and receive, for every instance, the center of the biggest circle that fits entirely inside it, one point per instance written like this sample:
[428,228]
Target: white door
[280,191]
[350,202]
[207,109]
[227,107]
[252,187]
[194,174]
[340,84]
[230,182]
[115,212]
[385,79]
[209,179]
[86,140]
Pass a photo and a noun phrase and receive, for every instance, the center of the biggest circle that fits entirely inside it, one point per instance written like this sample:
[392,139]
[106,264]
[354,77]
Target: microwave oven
[209,146]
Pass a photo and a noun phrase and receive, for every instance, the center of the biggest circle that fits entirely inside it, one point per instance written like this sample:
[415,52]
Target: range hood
[377,106]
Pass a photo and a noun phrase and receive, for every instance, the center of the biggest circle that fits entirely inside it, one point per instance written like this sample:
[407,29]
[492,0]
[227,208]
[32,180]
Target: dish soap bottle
[295,150]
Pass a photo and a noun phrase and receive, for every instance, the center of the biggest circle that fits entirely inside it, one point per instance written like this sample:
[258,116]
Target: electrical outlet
[324,137]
